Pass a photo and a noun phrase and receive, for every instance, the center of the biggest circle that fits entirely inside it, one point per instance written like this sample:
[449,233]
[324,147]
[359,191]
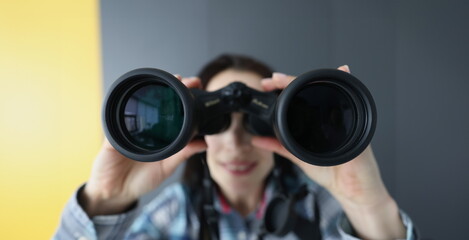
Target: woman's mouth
[239,168]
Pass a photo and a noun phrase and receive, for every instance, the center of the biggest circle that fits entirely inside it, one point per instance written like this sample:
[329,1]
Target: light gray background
[413,56]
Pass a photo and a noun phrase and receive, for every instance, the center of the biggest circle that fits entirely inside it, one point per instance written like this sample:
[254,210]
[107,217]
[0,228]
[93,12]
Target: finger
[190,149]
[344,68]
[277,81]
[268,85]
[179,77]
[281,80]
[272,144]
[106,144]
[192,82]
[108,147]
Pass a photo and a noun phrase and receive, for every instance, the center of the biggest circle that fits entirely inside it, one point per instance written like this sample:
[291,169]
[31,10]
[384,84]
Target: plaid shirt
[171,215]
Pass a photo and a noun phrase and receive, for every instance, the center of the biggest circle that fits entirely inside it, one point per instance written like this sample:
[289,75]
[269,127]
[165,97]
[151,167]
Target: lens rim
[115,101]
[362,103]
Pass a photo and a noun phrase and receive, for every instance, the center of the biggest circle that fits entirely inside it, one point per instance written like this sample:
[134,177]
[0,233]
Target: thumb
[192,148]
[272,144]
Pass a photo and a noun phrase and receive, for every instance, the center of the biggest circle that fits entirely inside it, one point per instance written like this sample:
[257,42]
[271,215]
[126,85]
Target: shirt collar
[223,206]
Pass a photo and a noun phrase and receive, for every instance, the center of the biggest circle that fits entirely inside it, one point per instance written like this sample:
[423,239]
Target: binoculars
[324,117]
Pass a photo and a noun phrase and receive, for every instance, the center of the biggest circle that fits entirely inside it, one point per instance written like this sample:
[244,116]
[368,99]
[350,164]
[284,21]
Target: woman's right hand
[116,181]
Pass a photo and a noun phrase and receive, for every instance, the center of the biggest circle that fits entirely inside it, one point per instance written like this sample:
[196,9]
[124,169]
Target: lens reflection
[321,117]
[153,116]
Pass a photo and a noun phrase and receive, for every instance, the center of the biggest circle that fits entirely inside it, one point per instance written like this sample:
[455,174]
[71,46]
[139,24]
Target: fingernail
[346,68]
[278,75]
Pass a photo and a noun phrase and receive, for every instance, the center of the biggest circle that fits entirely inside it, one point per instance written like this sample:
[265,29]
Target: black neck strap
[209,216]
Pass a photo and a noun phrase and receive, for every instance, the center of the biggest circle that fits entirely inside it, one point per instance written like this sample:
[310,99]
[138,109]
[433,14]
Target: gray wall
[411,54]
[432,115]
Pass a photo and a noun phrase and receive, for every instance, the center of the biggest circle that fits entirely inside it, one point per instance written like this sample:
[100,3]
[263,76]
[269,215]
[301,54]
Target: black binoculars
[324,117]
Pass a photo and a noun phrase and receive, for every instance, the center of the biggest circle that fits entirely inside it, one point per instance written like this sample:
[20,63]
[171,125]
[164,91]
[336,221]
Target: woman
[233,206]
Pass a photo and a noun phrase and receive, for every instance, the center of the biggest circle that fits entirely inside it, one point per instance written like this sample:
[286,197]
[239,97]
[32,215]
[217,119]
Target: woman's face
[234,162]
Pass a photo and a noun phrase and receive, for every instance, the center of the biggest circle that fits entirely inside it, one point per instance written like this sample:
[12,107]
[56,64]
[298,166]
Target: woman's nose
[236,133]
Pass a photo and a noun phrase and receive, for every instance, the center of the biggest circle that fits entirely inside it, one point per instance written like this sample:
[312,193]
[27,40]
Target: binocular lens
[153,116]
[320,118]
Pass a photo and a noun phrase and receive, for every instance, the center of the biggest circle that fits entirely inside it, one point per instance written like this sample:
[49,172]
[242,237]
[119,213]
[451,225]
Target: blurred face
[235,164]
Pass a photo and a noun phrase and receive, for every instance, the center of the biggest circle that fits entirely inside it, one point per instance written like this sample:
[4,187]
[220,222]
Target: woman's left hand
[357,184]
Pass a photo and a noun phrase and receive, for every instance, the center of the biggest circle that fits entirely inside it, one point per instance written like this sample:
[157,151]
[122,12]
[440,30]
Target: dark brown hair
[233,61]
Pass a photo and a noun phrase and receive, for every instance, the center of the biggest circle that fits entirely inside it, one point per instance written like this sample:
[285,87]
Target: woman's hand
[357,184]
[116,181]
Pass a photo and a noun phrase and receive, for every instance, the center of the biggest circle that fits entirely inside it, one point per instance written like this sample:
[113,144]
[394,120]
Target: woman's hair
[233,61]
[193,171]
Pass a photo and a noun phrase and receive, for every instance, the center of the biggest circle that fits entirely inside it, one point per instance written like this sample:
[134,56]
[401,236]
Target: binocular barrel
[324,117]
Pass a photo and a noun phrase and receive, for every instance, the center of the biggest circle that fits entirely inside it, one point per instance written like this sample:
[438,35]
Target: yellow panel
[50,85]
